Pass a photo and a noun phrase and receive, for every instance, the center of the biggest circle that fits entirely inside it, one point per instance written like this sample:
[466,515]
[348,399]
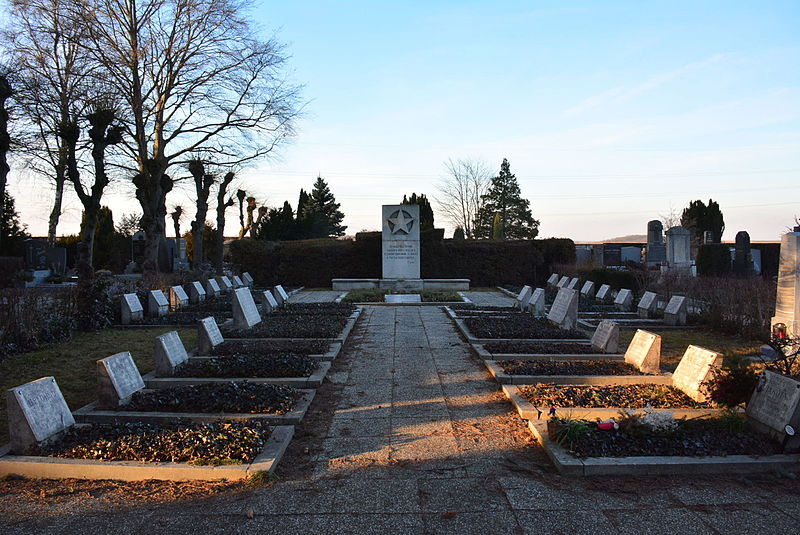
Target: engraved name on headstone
[117,379]
[523,296]
[675,313]
[197,293]
[212,288]
[624,300]
[564,311]
[552,280]
[644,352]
[245,313]
[247,279]
[535,303]
[694,368]
[647,305]
[606,337]
[131,309]
[169,353]
[177,297]
[36,412]
[208,335]
[157,304]
[774,405]
[603,294]
[587,290]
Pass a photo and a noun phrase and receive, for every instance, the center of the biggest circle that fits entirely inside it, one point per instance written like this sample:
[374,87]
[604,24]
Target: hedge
[714,260]
[313,263]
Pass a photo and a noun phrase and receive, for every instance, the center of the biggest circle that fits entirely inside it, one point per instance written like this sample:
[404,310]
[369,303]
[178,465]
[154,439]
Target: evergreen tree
[458,234]
[699,217]
[504,198]
[278,225]
[425,210]
[110,247]
[12,233]
[322,212]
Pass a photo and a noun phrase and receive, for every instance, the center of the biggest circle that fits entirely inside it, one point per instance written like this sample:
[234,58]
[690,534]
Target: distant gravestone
[603,294]
[647,305]
[212,288]
[587,291]
[693,369]
[606,337]
[268,302]
[676,311]
[177,297]
[574,283]
[169,353]
[523,296]
[237,282]
[564,311]
[742,263]
[774,408]
[197,293]
[644,352]
[535,304]
[157,304]
[248,280]
[624,300]
[131,309]
[245,313]
[117,379]
[280,295]
[679,251]
[562,282]
[656,250]
[36,412]
[225,284]
[208,336]
[787,300]
[552,280]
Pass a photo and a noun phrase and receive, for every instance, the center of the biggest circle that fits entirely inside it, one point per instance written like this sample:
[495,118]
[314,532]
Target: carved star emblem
[400,222]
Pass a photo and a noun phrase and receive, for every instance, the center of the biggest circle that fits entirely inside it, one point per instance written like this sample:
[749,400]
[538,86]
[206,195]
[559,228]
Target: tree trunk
[202,186]
[5,140]
[222,204]
[152,187]
[55,213]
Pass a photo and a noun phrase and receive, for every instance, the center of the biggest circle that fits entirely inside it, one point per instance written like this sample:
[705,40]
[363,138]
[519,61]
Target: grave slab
[245,313]
[523,296]
[624,300]
[237,282]
[562,282]
[212,288]
[225,284]
[268,302]
[676,311]
[37,412]
[157,303]
[694,368]
[117,379]
[197,293]
[403,298]
[647,305]
[606,337]
[248,280]
[564,311]
[603,294]
[177,297]
[553,279]
[280,295]
[774,408]
[536,303]
[208,336]
[587,290]
[169,353]
[644,352]
[574,283]
[132,309]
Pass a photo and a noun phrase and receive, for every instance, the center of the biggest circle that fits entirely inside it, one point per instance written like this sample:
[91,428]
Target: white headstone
[694,368]
[280,295]
[679,249]
[523,296]
[131,309]
[208,336]
[606,337]
[225,284]
[400,241]
[536,302]
[268,302]
[774,405]
[573,283]
[644,352]
[237,282]
[212,288]
[245,313]
[562,282]
[157,304]
[603,294]
[177,297]
[36,411]
[675,313]
[564,311]
[587,290]
[624,300]
[169,353]
[117,379]
[247,279]
[787,301]
[197,293]
[553,279]
[647,305]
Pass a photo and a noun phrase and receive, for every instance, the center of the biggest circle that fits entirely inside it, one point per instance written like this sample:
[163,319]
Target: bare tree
[460,193]
[671,218]
[222,205]
[5,138]
[202,187]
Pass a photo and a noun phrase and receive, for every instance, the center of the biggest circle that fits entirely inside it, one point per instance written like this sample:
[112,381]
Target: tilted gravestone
[552,280]
[225,284]
[564,311]
[647,305]
[573,283]
[774,408]
[603,294]
[197,293]
[237,282]
[245,313]
[118,379]
[157,304]
[562,282]
[676,311]
[169,353]
[535,304]
[693,369]
[177,297]
[208,336]
[606,337]
[523,296]
[587,290]
[131,309]
[248,280]
[36,412]
[268,302]
[280,295]
[212,288]
[624,300]
[644,352]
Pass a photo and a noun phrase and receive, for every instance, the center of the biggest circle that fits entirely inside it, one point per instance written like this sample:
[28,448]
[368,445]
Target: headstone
[606,337]
[268,302]
[656,250]
[523,296]
[612,254]
[197,293]
[280,295]
[552,280]
[742,263]
[212,288]
[587,290]
[138,241]
[208,336]
[225,284]
[774,408]
[131,309]
[535,304]
[400,241]
[644,352]
[157,304]
[573,283]
[624,300]
[603,294]
[679,249]
[117,379]
[247,279]
[562,282]
[36,412]
[57,257]
[693,369]
[564,311]
[787,302]
[36,258]
[708,236]
[676,311]
[245,313]
[181,263]
[647,305]
[237,282]
[169,353]
[177,297]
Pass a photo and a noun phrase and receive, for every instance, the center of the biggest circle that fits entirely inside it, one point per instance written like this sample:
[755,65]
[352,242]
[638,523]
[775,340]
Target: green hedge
[313,263]
[617,279]
[713,260]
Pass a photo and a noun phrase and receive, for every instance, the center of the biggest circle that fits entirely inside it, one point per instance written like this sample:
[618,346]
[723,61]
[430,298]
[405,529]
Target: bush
[714,260]
[31,318]
[11,267]
[730,387]
[615,278]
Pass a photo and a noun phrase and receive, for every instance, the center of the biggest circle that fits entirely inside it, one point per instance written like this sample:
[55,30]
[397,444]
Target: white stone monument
[131,309]
[237,282]
[225,284]
[587,290]
[693,369]
[208,336]
[564,311]
[157,304]
[268,302]
[36,412]
[774,408]
[644,352]
[679,249]
[606,337]
[248,280]
[573,283]
[603,294]
[562,282]
[536,302]
[552,280]
[280,295]
[787,302]
[212,288]
[177,297]
[400,242]
[169,353]
[118,379]
[676,311]
[245,312]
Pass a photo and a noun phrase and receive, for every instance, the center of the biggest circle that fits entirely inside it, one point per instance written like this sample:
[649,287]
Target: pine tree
[699,218]
[322,212]
[504,198]
[425,210]
[12,234]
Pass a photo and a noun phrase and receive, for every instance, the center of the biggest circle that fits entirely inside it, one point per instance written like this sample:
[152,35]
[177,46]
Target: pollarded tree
[425,210]
[504,198]
[699,217]
[461,192]
[322,213]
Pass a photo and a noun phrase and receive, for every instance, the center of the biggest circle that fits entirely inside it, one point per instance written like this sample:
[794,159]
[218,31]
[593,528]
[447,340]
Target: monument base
[400,284]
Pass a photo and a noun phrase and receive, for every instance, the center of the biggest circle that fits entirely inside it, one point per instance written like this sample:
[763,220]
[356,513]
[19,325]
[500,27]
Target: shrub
[731,386]
[31,318]
[714,259]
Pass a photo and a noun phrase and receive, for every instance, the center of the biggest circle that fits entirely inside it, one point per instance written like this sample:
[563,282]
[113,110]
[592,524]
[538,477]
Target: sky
[610,113]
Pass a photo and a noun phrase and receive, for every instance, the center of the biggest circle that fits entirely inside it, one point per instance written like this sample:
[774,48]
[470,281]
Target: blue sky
[610,113]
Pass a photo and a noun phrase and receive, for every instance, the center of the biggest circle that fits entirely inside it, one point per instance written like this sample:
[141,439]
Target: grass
[73,363]
[377,296]
[675,342]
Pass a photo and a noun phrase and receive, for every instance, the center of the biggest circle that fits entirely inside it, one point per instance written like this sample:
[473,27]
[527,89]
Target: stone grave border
[471,339]
[503,378]
[334,348]
[485,354]
[57,468]
[634,323]
[341,337]
[312,381]
[421,303]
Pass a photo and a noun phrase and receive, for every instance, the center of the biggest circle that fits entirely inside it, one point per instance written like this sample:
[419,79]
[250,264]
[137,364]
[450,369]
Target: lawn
[377,296]
[73,363]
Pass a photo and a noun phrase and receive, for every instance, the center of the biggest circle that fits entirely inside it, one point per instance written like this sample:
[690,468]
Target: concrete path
[412,437]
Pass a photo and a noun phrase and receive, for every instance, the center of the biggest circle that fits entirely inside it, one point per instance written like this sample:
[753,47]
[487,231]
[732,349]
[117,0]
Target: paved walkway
[412,437]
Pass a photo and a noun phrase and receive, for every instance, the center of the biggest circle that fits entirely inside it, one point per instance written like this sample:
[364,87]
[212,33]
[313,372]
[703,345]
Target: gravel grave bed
[234,397]
[212,443]
[688,438]
[268,348]
[587,306]
[293,326]
[543,367]
[601,396]
[286,365]
[521,326]
[553,348]
[183,318]
[331,309]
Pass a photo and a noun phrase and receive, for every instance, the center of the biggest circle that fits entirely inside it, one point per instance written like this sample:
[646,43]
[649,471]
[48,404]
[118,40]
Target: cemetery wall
[714,259]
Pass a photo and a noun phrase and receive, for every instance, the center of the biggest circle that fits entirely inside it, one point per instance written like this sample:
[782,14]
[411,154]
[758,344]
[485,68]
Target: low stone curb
[312,381]
[503,378]
[58,468]
[636,324]
[90,414]
[341,337]
[459,322]
[485,354]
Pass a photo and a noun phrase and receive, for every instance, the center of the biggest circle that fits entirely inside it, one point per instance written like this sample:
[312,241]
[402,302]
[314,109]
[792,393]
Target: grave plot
[132,311]
[520,326]
[318,325]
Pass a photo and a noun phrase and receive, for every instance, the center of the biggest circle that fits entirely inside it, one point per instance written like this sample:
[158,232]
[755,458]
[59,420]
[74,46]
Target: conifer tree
[699,217]
[425,210]
[322,212]
[504,198]
[11,231]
